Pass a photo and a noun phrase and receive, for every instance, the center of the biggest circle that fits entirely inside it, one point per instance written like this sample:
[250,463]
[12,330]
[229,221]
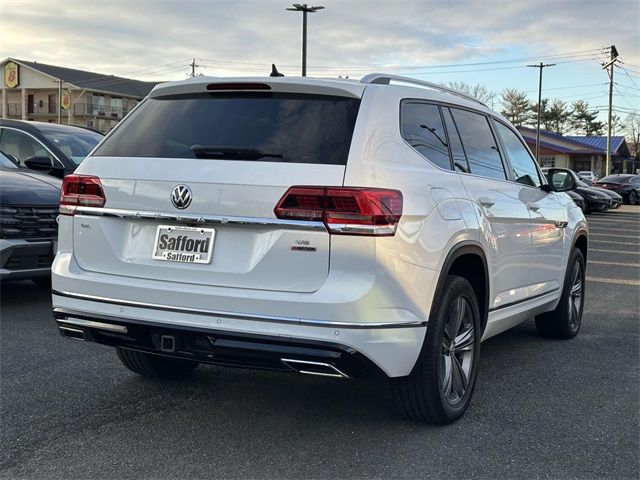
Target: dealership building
[41,92]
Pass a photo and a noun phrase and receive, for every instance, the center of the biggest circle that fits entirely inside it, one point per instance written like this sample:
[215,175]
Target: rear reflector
[344,210]
[80,190]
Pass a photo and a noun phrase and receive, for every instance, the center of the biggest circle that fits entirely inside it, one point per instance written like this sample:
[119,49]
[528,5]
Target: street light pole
[540,66]
[304,8]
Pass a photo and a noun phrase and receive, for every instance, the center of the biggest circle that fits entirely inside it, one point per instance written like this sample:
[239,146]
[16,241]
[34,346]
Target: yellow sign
[65,100]
[11,75]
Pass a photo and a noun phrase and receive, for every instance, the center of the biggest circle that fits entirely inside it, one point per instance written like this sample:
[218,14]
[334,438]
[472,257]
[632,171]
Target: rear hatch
[235,148]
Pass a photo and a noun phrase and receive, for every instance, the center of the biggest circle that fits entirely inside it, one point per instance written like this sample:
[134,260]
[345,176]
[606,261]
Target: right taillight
[80,190]
[344,210]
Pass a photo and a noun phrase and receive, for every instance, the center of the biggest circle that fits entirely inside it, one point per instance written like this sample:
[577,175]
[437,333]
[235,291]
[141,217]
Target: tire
[633,198]
[435,391]
[564,322]
[154,366]
[42,282]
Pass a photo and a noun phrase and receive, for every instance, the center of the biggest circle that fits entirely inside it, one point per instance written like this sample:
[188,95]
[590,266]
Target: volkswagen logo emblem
[181,196]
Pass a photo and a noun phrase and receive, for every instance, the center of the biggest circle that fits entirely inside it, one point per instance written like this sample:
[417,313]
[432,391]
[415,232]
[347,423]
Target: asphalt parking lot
[542,408]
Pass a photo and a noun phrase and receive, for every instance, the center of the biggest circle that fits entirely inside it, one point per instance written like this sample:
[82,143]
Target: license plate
[183,244]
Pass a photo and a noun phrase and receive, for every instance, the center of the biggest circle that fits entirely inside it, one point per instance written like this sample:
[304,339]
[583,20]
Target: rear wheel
[441,384]
[154,366]
[633,198]
[564,322]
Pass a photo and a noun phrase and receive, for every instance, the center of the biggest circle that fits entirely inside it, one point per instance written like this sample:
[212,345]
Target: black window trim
[438,105]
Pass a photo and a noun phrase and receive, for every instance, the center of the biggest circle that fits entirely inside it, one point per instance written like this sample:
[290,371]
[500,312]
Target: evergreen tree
[515,106]
[583,121]
[558,116]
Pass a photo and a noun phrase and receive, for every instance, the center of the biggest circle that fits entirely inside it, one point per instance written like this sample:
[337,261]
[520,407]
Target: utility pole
[611,63]
[304,9]
[59,100]
[540,66]
[193,67]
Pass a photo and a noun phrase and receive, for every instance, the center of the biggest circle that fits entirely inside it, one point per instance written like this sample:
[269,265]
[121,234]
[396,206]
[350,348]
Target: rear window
[614,179]
[294,128]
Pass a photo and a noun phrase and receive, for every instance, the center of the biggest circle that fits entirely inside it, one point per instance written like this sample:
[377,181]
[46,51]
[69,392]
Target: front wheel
[439,388]
[633,198]
[564,322]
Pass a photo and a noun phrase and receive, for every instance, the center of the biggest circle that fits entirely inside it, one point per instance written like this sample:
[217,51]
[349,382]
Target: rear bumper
[20,259]
[219,347]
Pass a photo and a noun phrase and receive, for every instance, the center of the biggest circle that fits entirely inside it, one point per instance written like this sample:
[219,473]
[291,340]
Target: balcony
[96,110]
[15,110]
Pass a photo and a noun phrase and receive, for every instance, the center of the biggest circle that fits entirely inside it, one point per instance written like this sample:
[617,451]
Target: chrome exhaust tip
[74,333]
[308,367]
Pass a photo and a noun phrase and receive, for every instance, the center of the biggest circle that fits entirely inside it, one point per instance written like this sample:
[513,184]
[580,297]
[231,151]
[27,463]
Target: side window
[522,164]
[479,144]
[422,128]
[635,181]
[457,151]
[22,146]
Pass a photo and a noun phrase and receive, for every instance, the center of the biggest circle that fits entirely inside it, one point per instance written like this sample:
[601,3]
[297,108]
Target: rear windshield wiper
[230,152]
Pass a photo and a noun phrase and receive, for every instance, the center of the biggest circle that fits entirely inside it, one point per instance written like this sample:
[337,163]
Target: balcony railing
[15,109]
[95,110]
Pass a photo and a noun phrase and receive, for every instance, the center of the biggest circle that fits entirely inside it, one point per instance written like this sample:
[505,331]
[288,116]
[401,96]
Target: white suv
[328,227]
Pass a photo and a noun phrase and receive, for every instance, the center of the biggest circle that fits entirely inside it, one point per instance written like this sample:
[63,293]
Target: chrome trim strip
[91,324]
[349,228]
[200,219]
[338,373]
[237,316]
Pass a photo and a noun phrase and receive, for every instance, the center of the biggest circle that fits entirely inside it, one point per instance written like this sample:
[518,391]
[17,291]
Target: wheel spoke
[576,290]
[459,377]
[464,341]
[448,376]
[455,318]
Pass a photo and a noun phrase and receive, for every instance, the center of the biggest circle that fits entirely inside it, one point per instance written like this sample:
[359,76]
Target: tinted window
[422,128]
[522,164]
[614,179]
[289,127]
[457,151]
[635,181]
[479,144]
[21,145]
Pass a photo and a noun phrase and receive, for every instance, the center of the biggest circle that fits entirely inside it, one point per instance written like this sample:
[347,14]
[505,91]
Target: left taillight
[344,210]
[80,190]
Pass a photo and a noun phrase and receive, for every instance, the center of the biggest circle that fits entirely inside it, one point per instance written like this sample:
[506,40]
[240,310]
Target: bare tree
[478,91]
[632,134]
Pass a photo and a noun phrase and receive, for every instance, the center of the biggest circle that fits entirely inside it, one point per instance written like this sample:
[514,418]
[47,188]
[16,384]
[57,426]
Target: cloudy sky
[482,41]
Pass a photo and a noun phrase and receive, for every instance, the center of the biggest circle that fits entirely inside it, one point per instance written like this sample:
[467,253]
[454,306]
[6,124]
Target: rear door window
[22,146]
[522,163]
[285,127]
[479,144]
[422,128]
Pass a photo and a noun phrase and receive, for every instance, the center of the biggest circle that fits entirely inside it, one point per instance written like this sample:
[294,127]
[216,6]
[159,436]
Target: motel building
[40,92]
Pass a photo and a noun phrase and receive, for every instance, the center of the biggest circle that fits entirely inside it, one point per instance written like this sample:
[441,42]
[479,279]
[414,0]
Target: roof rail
[386,79]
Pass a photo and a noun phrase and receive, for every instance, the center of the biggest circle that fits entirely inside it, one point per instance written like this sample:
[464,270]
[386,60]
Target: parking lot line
[608,229]
[634,244]
[610,235]
[615,281]
[613,251]
[619,264]
[616,221]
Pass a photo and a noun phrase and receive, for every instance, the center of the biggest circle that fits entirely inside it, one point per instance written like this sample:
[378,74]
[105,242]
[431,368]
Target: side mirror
[44,164]
[560,180]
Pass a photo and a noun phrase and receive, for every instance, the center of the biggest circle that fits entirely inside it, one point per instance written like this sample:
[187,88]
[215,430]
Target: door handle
[486,202]
[533,207]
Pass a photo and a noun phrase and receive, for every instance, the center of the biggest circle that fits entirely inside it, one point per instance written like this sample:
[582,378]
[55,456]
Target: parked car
[625,185]
[325,227]
[589,175]
[596,201]
[616,200]
[578,200]
[28,228]
[49,147]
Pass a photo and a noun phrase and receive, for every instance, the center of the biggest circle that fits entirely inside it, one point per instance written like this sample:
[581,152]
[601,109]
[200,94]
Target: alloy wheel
[458,349]
[575,296]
